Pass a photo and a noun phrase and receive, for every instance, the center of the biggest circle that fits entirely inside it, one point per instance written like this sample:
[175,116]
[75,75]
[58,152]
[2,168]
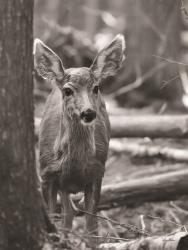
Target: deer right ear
[46,62]
[110,59]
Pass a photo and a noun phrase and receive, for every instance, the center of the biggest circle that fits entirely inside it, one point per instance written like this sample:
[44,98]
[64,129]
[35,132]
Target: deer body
[75,129]
[75,153]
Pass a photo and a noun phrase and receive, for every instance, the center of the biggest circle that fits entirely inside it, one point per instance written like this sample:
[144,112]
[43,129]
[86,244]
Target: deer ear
[46,62]
[110,59]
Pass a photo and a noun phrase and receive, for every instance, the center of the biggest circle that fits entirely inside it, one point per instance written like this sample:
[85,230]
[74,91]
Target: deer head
[79,86]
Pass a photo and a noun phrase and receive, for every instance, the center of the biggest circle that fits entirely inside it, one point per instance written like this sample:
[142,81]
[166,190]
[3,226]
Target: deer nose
[88,115]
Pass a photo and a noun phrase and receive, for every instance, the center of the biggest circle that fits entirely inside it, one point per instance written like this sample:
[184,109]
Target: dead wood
[174,241]
[153,126]
[136,149]
[160,187]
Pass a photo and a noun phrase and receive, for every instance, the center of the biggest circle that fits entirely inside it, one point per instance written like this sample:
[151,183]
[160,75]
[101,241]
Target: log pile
[146,189]
[152,126]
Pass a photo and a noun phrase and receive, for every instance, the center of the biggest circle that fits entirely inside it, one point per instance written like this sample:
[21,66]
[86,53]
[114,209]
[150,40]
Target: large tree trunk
[153,29]
[21,210]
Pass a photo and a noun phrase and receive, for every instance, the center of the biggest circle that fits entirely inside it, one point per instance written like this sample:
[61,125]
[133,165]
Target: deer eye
[96,89]
[68,91]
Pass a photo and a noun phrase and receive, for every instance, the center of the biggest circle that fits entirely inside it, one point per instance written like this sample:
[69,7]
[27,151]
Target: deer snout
[88,115]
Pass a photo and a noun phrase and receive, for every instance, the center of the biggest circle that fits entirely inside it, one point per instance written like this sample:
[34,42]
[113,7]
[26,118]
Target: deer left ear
[110,59]
[46,62]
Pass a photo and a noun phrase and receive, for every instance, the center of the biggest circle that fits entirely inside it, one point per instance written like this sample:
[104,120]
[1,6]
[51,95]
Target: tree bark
[22,221]
[174,241]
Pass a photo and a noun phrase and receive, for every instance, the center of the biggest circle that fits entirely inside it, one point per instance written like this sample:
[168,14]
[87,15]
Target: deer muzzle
[88,115]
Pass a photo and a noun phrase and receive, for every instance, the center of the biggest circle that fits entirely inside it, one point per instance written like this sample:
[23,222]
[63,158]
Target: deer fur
[75,129]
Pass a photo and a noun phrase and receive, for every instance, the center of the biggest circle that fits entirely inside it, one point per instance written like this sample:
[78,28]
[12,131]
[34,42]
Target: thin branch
[109,237]
[129,227]
[170,60]
[162,108]
[179,209]
[184,78]
[138,81]
[169,81]
[164,221]
[110,224]
[174,216]
[143,225]
[184,9]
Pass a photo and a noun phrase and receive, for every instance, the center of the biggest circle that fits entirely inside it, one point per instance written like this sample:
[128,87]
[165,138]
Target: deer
[75,129]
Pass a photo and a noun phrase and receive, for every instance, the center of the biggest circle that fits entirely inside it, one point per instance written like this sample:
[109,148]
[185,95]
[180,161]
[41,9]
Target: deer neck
[75,139]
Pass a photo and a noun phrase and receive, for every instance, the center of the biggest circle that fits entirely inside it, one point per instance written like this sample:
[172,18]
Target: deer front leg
[92,197]
[49,191]
[67,210]
[67,214]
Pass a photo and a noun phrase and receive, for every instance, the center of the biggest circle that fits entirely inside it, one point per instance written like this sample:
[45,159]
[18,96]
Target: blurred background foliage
[156,40]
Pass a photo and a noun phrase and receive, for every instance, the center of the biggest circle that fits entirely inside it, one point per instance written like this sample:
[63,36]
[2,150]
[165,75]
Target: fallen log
[153,126]
[136,149]
[160,187]
[174,241]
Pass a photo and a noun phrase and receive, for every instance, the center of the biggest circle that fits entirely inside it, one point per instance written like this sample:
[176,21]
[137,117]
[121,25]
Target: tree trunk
[21,211]
[153,31]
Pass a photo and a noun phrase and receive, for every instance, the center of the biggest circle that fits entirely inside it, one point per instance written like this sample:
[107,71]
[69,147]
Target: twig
[164,221]
[106,237]
[142,222]
[110,224]
[129,227]
[162,108]
[169,81]
[109,237]
[139,81]
[184,9]
[174,216]
[179,209]
[184,78]
[82,238]
[170,60]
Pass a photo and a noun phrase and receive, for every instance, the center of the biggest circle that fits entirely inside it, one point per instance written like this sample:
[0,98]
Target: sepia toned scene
[93,124]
